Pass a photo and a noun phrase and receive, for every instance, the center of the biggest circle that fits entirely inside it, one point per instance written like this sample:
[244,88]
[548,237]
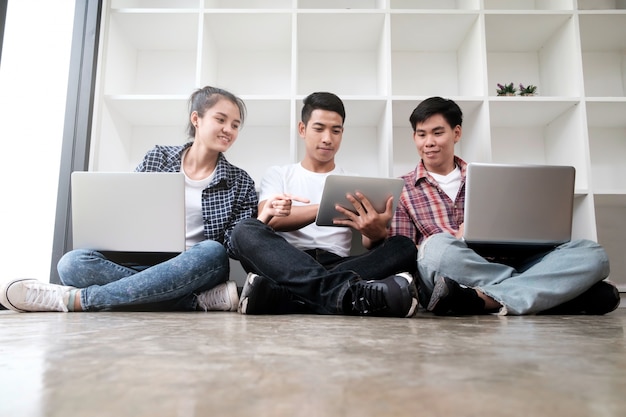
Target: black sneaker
[602,298]
[394,296]
[263,296]
[450,298]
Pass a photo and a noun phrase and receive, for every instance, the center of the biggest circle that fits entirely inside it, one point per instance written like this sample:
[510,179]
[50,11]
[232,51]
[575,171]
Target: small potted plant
[529,90]
[506,89]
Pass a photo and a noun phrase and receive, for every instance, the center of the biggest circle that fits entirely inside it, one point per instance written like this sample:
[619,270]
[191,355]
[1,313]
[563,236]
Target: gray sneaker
[27,294]
[223,297]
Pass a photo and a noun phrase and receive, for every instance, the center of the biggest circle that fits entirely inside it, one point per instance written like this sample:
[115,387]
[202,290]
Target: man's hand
[459,233]
[371,224]
[279,205]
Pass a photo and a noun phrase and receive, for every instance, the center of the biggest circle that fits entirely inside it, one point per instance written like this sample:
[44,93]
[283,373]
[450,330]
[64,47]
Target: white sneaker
[27,294]
[223,297]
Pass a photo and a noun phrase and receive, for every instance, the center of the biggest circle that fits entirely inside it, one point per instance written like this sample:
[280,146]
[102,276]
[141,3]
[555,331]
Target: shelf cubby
[610,212]
[154,4]
[603,43]
[537,49]
[134,124]
[340,4]
[607,145]
[448,65]
[248,4]
[350,61]
[151,53]
[435,4]
[259,64]
[529,4]
[602,4]
[266,129]
[540,132]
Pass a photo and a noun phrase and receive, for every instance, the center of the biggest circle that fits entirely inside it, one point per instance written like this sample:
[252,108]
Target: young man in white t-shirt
[295,266]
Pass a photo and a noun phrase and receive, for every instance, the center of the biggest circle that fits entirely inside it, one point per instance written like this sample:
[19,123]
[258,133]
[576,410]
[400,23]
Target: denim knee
[246,232]
[68,263]
[433,247]
[214,252]
[595,256]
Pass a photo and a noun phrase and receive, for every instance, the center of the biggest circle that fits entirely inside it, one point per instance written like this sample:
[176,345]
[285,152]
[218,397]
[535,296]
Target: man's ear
[301,129]
[458,130]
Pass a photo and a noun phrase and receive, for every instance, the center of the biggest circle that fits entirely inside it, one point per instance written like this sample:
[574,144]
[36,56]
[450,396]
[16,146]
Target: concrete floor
[213,364]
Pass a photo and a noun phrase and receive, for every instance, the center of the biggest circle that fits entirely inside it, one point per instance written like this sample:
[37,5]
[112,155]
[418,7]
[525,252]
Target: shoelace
[214,298]
[45,297]
[368,298]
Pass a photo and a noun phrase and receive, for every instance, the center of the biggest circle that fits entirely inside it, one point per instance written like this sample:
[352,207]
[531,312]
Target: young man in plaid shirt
[454,279]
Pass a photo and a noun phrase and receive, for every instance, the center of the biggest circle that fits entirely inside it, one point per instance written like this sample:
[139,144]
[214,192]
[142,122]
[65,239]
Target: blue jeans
[318,278]
[166,286]
[534,284]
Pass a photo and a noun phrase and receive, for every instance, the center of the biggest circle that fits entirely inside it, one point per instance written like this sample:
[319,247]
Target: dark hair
[204,98]
[322,101]
[437,105]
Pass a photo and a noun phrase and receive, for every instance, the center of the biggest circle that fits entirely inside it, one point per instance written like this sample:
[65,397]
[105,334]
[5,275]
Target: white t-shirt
[296,180]
[193,208]
[450,183]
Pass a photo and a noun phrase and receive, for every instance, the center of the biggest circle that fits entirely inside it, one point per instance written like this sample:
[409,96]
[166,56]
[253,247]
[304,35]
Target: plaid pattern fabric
[425,209]
[230,197]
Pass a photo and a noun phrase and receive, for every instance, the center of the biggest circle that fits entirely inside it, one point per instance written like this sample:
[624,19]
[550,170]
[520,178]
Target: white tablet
[377,190]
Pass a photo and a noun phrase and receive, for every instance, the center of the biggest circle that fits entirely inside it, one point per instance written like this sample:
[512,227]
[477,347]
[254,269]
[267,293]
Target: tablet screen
[377,190]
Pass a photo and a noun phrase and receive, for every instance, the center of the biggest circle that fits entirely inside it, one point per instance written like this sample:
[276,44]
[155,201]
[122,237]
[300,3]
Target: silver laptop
[128,211]
[518,205]
[377,190]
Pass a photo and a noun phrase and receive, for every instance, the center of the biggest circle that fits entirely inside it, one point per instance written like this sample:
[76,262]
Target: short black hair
[437,105]
[322,101]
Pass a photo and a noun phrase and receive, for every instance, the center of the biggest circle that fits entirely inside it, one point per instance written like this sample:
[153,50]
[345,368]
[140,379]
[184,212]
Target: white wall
[33,88]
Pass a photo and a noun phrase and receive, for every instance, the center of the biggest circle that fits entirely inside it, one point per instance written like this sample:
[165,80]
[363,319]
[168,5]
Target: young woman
[218,195]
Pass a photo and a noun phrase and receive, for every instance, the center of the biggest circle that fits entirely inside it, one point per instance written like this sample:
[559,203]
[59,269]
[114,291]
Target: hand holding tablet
[336,187]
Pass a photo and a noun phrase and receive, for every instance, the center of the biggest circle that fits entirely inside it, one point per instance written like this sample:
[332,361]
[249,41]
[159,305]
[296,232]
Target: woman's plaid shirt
[230,197]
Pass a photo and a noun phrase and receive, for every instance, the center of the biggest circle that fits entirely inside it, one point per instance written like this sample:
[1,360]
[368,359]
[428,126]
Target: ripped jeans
[537,283]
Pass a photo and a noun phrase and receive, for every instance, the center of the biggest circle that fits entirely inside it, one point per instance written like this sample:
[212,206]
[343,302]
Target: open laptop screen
[128,211]
[518,205]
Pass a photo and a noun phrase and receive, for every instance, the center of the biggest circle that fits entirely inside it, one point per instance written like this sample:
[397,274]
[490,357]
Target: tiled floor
[225,364]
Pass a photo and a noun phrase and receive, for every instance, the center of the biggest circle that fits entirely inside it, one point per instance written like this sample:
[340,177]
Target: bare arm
[279,207]
[299,217]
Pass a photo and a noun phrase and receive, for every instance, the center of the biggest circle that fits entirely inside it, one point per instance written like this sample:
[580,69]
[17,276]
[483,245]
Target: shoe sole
[231,287]
[414,301]
[440,291]
[243,300]
[616,293]
[413,309]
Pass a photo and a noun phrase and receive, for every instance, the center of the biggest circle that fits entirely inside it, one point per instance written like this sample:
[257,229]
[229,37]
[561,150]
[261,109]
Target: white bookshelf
[382,57]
